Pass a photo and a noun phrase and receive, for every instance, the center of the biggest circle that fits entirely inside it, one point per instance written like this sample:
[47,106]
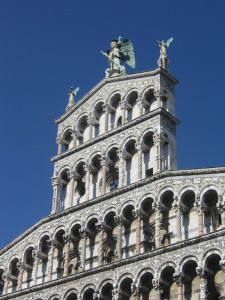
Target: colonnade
[115,236]
[132,162]
[109,115]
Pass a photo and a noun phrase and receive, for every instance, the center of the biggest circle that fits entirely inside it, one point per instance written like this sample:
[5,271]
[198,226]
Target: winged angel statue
[163,60]
[121,52]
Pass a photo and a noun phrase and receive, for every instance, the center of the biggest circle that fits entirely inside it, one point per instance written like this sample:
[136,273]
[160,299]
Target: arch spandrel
[111,209]
[68,292]
[86,287]
[90,217]
[147,88]
[58,228]
[185,189]
[207,188]
[128,139]
[11,258]
[76,222]
[96,102]
[208,253]
[164,265]
[145,196]
[165,189]
[186,259]
[127,203]
[104,282]
[125,276]
[30,245]
[143,272]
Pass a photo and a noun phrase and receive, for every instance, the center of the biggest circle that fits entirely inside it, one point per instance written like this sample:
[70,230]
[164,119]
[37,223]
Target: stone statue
[163,60]
[121,52]
[72,93]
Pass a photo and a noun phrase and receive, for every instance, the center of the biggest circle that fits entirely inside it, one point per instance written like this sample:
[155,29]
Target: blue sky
[47,46]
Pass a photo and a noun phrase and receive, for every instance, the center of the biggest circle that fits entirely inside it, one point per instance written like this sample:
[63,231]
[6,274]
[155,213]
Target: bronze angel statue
[121,52]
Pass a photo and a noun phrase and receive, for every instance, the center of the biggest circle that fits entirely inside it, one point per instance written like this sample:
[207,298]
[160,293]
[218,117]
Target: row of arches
[118,167]
[115,235]
[109,115]
[188,281]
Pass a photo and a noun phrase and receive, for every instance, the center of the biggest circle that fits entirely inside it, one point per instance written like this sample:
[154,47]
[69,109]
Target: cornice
[123,262]
[104,81]
[118,192]
[158,111]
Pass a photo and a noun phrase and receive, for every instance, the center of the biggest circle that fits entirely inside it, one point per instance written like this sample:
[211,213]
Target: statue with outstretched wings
[163,60]
[121,52]
[127,51]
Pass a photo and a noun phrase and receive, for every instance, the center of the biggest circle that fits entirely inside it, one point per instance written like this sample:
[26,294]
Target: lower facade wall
[172,272]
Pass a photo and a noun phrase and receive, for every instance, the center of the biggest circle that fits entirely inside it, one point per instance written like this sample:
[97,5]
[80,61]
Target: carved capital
[83,232]
[5,276]
[105,107]
[58,140]
[222,263]
[136,213]
[200,271]
[115,294]
[156,284]
[20,266]
[66,238]
[55,181]
[178,278]
[118,220]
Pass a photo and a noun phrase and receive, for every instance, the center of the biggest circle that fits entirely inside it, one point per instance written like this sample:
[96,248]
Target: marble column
[36,259]
[106,111]
[87,181]
[66,252]
[157,225]
[5,278]
[59,142]
[203,282]
[71,189]
[138,148]
[200,221]
[121,168]
[135,291]
[83,234]
[179,281]
[51,247]
[20,268]
[178,210]
[140,106]
[90,127]
[158,143]
[55,199]
[157,286]
[104,168]
[118,221]
[137,217]
[101,235]
[115,293]
[123,111]
[158,97]
[74,139]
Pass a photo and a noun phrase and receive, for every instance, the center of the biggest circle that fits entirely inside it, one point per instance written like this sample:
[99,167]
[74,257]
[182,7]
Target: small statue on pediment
[163,60]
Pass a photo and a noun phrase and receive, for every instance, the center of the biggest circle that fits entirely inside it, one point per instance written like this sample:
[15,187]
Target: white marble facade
[125,223]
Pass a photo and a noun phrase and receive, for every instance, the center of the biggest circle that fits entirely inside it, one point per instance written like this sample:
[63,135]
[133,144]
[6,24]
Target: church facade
[125,223]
